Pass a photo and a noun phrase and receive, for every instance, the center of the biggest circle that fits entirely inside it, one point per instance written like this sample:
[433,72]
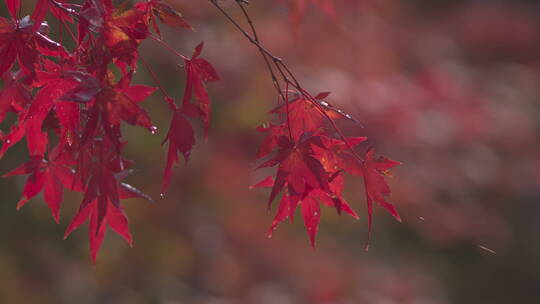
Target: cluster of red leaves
[70,105]
[312,156]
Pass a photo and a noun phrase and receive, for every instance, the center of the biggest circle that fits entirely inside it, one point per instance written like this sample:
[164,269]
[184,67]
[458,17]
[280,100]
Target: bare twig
[273,64]
[166,96]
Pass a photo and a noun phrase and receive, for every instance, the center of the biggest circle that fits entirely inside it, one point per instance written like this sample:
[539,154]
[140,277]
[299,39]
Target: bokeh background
[450,88]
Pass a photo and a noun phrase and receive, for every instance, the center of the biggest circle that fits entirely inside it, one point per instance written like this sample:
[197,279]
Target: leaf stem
[168,47]
[167,97]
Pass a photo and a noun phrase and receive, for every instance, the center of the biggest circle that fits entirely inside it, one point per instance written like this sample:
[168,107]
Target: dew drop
[315,213]
[69,139]
[8,141]
[269,236]
[153,129]
[162,195]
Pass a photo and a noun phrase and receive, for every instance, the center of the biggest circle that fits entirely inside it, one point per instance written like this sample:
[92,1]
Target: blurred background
[449,88]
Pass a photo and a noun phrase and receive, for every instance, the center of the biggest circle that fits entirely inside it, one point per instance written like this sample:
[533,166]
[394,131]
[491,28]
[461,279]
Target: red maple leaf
[374,171]
[308,172]
[102,212]
[15,95]
[337,155]
[50,176]
[25,40]
[297,167]
[110,104]
[181,135]
[308,114]
[311,162]
[103,170]
[181,139]
[199,71]
[164,12]
[300,173]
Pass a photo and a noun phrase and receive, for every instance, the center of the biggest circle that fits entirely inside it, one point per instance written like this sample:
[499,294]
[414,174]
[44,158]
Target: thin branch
[239,27]
[264,54]
[168,47]
[255,36]
[167,97]
[283,70]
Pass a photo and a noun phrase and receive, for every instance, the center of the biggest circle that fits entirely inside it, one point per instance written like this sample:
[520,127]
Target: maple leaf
[336,154]
[15,95]
[123,32]
[164,12]
[49,97]
[304,178]
[374,170]
[181,135]
[120,102]
[120,32]
[310,207]
[102,212]
[103,169]
[297,168]
[31,120]
[25,39]
[302,116]
[270,142]
[36,139]
[334,197]
[311,163]
[181,139]
[112,103]
[304,173]
[198,72]
[51,177]
[308,114]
